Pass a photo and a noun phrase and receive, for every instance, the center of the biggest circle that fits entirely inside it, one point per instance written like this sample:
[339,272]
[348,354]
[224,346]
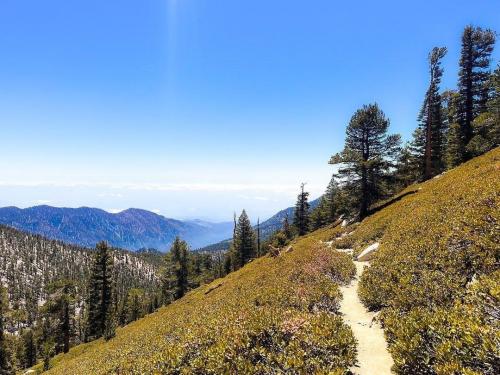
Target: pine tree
[134,305]
[287,230]
[60,313]
[430,136]
[319,215]
[477,46]
[244,242]
[301,214]
[175,276]
[486,126]
[258,238]
[367,156]
[331,200]
[5,365]
[454,141]
[408,167]
[29,349]
[100,320]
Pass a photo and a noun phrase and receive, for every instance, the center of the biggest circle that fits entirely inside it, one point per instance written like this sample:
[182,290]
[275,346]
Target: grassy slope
[275,313]
[436,275]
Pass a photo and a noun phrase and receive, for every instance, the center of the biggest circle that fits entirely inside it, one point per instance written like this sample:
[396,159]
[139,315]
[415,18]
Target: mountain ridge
[131,229]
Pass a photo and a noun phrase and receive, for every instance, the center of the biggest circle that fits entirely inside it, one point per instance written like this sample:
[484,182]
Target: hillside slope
[435,278]
[29,262]
[274,315]
[130,229]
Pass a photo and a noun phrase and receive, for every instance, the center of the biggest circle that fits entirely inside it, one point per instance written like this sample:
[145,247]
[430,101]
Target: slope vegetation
[275,315]
[435,276]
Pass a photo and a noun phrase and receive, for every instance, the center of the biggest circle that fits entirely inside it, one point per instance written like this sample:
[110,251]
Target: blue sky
[196,108]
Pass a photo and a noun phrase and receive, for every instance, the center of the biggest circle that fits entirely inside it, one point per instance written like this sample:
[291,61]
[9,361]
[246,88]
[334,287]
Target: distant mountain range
[267,228]
[132,229]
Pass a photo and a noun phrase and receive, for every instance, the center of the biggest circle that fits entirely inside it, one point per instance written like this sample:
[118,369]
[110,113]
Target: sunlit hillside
[433,277]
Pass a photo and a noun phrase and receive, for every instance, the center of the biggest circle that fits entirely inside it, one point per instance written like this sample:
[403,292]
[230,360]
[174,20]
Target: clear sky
[196,108]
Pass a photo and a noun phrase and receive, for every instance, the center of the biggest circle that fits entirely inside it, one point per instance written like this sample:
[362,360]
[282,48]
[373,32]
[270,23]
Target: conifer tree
[5,365]
[60,313]
[176,274]
[331,200]
[258,238]
[477,46]
[431,134]
[134,305]
[367,156]
[100,320]
[454,141]
[287,230]
[486,126]
[29,349]
[319,215]
[301,213]
[408,167]
[244,242]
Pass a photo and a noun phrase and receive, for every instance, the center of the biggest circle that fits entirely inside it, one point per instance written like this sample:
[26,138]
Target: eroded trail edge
[373,356]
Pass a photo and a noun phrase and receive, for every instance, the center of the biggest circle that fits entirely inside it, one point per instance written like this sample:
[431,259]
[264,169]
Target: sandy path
[373,356]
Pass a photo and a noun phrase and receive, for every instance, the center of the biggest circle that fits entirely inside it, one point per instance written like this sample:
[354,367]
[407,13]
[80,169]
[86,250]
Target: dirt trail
[373,356]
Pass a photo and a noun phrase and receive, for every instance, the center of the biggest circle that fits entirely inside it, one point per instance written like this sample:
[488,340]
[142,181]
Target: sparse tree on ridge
[477,46]
[258,238]
[367,156]
[244,242]
[287,230]
[301,215]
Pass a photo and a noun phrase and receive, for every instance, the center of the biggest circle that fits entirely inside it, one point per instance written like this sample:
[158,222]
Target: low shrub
[436,270]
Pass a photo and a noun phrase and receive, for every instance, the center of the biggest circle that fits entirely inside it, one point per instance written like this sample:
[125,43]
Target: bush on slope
[275,315]
[436,274]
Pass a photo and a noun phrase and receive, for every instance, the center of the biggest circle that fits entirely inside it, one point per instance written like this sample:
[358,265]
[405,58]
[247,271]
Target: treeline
[453,126]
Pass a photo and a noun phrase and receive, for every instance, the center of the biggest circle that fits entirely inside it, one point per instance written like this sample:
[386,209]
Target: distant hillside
[131,229]
[267,228]
[29,262]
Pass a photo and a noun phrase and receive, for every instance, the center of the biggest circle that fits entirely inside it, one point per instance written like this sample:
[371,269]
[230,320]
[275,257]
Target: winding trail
[373,356]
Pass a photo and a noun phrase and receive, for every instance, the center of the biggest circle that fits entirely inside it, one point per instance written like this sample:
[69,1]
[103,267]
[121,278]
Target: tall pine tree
[60,313]
[176,274]
[486,126]
[100,319]
[179,252]
[431,133]
[244,242]
[331,198]
[367,156]
[477,46]
[301,214]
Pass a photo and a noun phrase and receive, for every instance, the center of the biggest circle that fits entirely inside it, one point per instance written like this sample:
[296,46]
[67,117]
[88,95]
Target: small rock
[367,253]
